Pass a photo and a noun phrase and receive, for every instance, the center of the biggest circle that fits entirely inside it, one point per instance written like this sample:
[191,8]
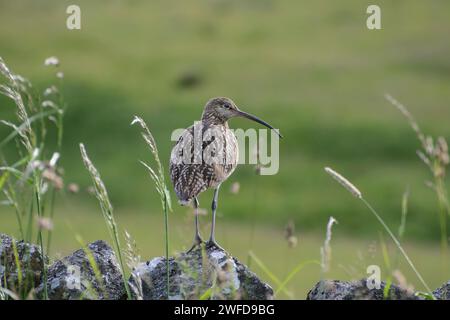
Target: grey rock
[209,273]
[356,290]
[31,263]
[73,277]
[443,293]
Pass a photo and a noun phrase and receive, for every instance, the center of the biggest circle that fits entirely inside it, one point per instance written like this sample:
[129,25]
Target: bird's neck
[210,118]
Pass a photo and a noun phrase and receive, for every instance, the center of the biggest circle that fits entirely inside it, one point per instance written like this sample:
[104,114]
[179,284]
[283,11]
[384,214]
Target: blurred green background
[311,68]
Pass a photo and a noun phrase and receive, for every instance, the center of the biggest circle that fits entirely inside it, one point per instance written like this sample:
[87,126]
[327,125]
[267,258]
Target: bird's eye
[227,106]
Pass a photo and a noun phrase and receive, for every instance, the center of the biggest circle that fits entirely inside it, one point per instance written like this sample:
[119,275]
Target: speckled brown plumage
[190,179]
[192,171]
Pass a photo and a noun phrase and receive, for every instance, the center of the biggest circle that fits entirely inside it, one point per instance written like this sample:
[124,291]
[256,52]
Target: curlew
[204,156]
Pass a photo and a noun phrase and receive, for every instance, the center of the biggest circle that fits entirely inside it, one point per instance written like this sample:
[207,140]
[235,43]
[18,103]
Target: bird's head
[221,109]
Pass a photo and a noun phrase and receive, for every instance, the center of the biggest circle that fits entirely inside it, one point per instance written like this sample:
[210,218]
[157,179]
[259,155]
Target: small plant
[30,177]
[107,210]
[94,267]
[325,251]
[160,183]
[133,259]
[434,154]
[281,284]
[393,269]
[356,193]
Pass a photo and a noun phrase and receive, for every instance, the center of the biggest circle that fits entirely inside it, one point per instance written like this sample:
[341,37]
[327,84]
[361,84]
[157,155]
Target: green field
[312,69]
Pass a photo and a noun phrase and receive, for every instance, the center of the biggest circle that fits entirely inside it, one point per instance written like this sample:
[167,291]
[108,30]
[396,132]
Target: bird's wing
[189,178]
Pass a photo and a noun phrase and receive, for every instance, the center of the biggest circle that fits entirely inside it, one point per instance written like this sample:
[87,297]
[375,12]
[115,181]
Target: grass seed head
[325,251]
[344,182]
[409,117]
[442,151]
[423,157]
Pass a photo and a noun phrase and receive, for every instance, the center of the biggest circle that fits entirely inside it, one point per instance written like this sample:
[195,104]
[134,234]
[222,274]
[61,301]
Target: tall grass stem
[107,210]
[397,243]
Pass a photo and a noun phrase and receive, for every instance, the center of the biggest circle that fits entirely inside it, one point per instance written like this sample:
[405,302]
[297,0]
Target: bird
[197,165]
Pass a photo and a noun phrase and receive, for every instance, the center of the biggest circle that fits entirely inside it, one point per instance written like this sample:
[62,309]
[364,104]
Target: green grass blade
[291,274]
[24,125]
[269,273]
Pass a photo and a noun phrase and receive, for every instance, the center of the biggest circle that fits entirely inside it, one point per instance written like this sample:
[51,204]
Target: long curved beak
[256,119]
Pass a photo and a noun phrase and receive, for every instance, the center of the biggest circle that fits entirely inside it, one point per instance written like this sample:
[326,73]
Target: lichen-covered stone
[208,273]
[31,263]
[443,292]
[357,290]
[74,278]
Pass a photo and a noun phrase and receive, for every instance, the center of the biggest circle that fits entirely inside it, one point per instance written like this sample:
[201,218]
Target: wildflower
[51,61]
[50,175]
[292,241]
[73,188]
[50,90]
[54,160]
[45,223]
[48,104]
[234,189]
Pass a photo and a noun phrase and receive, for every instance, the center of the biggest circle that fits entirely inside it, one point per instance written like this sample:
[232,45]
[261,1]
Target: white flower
[50,90]
[47,104]
[51,61]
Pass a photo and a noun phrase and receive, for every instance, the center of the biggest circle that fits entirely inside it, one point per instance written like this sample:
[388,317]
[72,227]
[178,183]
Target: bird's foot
[197,243]
[211,243]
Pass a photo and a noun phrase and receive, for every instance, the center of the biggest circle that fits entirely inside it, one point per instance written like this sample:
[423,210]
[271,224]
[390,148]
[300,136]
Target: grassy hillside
[311,68]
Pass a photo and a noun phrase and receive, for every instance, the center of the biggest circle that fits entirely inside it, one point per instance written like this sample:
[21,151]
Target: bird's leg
[197,238]
[212,239]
